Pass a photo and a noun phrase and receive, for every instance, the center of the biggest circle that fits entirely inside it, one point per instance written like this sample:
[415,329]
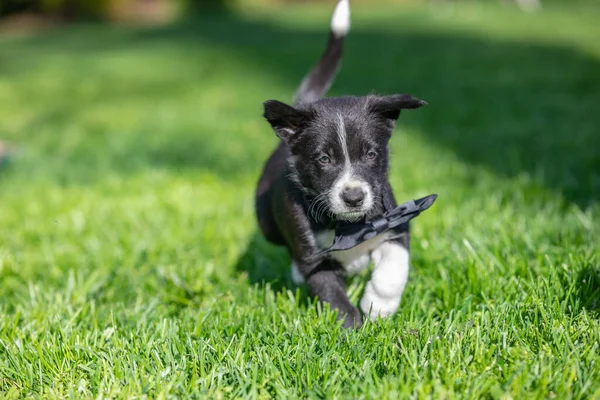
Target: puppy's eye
[324,160]
[371,154]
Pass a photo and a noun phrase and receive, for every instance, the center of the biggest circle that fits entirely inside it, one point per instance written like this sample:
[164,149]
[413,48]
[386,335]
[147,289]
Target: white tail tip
[340,22]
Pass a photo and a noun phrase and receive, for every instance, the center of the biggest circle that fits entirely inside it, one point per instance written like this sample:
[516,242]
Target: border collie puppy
[331,166]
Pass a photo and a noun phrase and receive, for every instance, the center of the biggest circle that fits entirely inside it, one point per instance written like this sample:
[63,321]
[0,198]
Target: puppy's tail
[316,84]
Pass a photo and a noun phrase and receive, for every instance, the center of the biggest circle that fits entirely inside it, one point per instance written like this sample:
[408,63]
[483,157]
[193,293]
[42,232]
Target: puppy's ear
[285,120]
[389,107]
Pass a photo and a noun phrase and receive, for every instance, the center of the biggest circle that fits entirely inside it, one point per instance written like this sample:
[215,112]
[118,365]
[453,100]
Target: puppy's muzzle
[353,196]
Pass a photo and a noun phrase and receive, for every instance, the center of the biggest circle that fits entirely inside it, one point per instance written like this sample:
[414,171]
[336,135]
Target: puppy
[331,165]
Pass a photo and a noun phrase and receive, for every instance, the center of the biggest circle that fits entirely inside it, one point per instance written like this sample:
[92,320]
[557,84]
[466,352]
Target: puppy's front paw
[384,291]
[374,305]
[352,318]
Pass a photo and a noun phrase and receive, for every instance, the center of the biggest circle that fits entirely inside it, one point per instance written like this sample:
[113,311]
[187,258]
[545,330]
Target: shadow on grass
[512,108]
[267,264]
[587,291]
[581,290]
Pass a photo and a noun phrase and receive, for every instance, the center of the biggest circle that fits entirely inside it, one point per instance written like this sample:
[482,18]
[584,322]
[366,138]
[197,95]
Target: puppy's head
[339,149]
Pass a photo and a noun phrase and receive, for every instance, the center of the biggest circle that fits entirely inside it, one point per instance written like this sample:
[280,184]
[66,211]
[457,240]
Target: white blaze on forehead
[346,178]
[343,138]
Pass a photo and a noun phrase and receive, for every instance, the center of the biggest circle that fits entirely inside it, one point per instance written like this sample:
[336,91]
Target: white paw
[384,291]
[374,305]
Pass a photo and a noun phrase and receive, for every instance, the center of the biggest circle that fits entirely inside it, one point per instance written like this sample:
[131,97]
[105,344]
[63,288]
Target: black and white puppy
[331,165]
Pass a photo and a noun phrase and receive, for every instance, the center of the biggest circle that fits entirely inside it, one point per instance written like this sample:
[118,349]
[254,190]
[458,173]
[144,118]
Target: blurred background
[169,10]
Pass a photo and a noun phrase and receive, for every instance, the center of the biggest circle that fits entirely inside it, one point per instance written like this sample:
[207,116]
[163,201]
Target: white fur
[346,181]
[340,21]
[342,136]
[384,291]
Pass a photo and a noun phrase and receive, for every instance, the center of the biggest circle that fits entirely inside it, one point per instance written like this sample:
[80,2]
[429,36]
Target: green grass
[130,264]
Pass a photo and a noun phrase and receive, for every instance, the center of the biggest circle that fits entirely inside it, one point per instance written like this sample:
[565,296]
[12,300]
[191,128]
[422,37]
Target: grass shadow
[581,290]
[587,290]
[265,264]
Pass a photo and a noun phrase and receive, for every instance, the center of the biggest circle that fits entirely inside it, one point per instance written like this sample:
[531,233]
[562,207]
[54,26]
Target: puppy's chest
[355,259]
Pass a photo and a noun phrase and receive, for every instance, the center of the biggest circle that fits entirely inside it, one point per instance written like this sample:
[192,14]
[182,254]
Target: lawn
[131,265]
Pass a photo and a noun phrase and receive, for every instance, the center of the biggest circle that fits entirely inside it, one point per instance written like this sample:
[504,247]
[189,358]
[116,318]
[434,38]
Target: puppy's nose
[353,196]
